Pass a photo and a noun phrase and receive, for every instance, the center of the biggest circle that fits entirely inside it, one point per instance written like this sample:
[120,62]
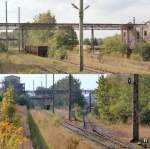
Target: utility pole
[6,27]
[46,81]
[90,96]
[53,100]
[19,36]
[70,100]
[33,86]
[81,17]
[136,108]
[92,39]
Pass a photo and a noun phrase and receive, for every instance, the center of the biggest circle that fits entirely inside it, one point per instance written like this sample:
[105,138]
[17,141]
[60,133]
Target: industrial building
[134,35]
[14,82]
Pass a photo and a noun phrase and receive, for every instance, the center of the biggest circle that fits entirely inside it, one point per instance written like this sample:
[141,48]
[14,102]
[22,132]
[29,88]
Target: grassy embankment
[120,130]
[113,63]
[55,135]
[15,62]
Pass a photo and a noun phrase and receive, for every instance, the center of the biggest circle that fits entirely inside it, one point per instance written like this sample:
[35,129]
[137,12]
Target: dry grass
[23,114]
[57,136]
[121,131]
[15,62]
[113,63]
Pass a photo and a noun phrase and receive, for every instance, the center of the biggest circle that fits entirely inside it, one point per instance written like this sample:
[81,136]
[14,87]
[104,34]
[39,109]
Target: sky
[100,11]
[88,81]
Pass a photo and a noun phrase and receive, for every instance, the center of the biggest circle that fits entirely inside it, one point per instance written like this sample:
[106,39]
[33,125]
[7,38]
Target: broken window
[145,33]
[138,35]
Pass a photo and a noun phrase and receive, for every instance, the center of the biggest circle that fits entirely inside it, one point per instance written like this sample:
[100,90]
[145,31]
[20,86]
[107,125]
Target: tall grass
[37,139]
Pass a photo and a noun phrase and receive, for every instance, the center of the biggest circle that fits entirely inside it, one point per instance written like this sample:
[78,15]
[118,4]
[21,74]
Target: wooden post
[19,36]
[81,13]
[90,96]
[135,114]
[92,39]
[53,108]
[70,100]
[6,27]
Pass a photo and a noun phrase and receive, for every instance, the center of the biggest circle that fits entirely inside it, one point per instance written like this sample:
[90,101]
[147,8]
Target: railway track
[91,69]
[99,137]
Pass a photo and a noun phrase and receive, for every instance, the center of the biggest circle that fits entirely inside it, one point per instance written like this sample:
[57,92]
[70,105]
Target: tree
[62,99]
[103,102]
[114,99]
[114,44]
[8,107]
[63,40]
[41,37]
[87,41]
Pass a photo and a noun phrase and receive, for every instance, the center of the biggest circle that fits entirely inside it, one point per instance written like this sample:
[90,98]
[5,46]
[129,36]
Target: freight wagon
[37,50]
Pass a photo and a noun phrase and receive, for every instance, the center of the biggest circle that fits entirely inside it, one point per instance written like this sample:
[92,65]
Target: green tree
[41,37]
[114,99]
[63,40]
[62,99]
[114,44]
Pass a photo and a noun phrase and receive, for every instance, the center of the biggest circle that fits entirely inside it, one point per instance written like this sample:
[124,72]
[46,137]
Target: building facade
[13,81]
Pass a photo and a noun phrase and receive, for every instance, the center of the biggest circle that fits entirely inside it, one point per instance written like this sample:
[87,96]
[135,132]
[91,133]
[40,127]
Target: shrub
[145,116]
[11,136]
[22,100]
[144,50]
[2,47]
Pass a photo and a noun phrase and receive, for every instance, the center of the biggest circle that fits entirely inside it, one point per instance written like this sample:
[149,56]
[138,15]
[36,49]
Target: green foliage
[114,44]
[145,116]
[62,99]
[41,37]
[114,98]
[36,136]
[2,47]
[144,50]
[8,106]
[63,39]
[22,100]
[87,41]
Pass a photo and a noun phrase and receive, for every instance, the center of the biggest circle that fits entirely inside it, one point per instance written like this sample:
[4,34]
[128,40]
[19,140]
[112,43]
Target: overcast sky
[88,81]
[101,11]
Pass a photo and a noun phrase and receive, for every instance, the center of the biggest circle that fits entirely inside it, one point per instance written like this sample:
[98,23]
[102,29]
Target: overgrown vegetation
[144,50]
[2,47]
[114,44]
[114,100]
[59,41]
[11,134]
[37,139]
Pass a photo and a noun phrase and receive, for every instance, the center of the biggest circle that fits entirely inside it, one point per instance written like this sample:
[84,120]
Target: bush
[144,50]
[22,100]
[145,116]
[2,47]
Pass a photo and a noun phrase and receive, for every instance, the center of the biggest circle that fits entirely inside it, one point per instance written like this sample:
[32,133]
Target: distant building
[137,34]
[13,81]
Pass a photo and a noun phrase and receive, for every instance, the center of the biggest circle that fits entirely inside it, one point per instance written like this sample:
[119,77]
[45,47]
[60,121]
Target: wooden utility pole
[90,96]
[70,100]
[46,81]
[19,35]
[81,15]
[135,108]
[92,39]
[53,100]
[6,27]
